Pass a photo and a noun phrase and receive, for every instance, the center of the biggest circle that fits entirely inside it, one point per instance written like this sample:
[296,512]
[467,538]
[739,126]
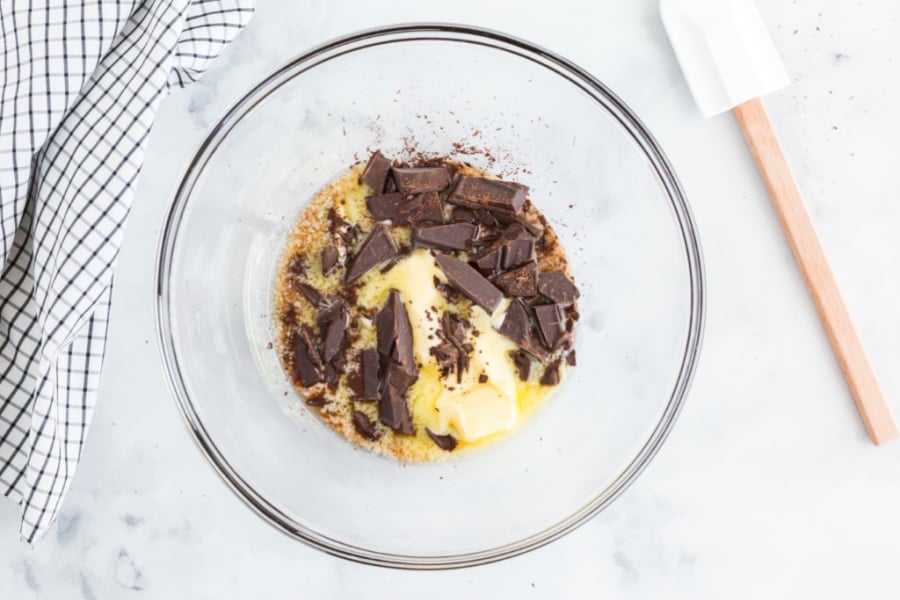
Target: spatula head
[725,52]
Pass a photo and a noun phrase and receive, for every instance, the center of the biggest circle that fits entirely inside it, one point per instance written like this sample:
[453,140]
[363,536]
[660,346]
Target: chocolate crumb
[316,400]
[483,378]
[570,358]
[551,374]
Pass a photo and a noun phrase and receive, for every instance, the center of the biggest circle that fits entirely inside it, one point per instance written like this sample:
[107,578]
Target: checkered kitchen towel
[80,83]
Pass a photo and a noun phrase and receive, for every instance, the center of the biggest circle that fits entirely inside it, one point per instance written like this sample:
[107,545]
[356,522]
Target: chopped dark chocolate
[317,400]
[307,363]
[460,214]
[376,172]
[310,293]
[370,383]
[385,207]
[480,192]
[470,282]
[518,252]
[393,409]
[422,208]
[570,358]
[508,219]
[398,366]
[444,442]
[335,335]
[488,260]
[332,376]
[551,374]
[454,236]
[551,323]
[523,364]
[557,286]
[364,426]
[422,179]
[452,352]
[518,282]
[376,249]
[516,326]
[329,260]
[482,378]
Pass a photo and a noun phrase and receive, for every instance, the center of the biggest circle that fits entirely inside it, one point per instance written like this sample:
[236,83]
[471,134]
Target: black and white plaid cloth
[80,84]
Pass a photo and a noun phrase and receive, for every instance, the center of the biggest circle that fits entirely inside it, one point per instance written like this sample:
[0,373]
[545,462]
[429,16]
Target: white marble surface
[768,486]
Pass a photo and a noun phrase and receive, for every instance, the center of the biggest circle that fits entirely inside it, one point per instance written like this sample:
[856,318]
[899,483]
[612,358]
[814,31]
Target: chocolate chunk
[393,410]
[329,260]
[551,374]
[523,364]
[376,172]
[385,207]
[422,208]
[332,376]
[317,400]
[364,426]
[516,326]
[518,282]
[518,252]
[480,192]
[454,236]
[394,333]
[376,249]
[570,358]
[470,282]
[508,219]
[551,323]
[444,442]
[307,363]
[489,259]
[556,286]
[452,353]
[422,179]
[370,384]
[482,378]
[310,293]
[398,366]
[463,215]
[335,337]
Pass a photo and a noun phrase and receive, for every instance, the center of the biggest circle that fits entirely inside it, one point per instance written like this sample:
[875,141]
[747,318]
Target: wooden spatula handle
[800,233]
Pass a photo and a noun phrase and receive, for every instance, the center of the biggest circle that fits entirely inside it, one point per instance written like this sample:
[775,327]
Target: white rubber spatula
[729,61]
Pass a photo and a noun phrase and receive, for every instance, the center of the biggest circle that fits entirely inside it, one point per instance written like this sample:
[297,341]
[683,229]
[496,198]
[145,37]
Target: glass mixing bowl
[499,103]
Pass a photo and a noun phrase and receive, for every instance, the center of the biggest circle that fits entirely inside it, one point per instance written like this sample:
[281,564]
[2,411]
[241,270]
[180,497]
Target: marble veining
[768,486]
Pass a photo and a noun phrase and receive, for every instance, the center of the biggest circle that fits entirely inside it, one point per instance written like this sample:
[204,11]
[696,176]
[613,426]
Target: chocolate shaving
[523,364]
[470,282]
[491,194]
[557,286]
[307,363]
[376,172]
[364,426]
[329,260]
[454,236]
[422,179]
[422,208]
[551,324]
[376,249]
[444,442]
[551,374]
[385,207]
[518,282]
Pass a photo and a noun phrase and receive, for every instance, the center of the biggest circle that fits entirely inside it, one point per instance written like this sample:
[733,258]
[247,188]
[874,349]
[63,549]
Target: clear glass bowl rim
[453,33]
